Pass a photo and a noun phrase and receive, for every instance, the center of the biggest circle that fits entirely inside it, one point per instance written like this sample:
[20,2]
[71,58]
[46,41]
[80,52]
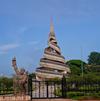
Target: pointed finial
[51,26]
[14,58]
[52,33]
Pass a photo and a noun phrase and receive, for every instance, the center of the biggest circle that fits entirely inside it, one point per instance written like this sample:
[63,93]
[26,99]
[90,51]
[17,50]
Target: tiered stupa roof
[52,64]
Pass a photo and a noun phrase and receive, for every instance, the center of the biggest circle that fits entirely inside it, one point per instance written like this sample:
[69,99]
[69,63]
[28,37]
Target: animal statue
[20,80]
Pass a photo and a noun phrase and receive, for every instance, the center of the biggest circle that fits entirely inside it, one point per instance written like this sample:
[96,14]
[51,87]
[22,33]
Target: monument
[52,65]
[20,79]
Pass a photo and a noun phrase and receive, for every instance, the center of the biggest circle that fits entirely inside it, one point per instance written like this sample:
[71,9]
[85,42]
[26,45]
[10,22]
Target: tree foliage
[76,66]
[94,58]
[6,83]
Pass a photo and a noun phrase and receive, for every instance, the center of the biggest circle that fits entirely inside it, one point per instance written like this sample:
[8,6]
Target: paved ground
[60,100]
[53,100]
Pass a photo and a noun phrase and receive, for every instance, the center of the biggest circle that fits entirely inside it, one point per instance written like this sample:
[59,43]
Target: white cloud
[33,42]
[5,48]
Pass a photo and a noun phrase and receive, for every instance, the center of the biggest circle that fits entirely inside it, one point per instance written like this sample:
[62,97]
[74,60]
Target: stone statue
[20,80]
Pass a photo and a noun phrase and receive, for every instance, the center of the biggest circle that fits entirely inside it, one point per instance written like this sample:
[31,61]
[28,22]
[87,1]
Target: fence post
[47,88]
[30,86]
[64,89]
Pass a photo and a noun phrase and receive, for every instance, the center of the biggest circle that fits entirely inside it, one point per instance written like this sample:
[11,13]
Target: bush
[74,94]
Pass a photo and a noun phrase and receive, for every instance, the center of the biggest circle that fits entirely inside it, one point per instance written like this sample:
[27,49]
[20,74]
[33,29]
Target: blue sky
[25,25]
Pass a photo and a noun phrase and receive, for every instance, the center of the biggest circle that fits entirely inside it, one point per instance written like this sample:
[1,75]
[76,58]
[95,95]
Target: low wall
[14,98]
[27,98]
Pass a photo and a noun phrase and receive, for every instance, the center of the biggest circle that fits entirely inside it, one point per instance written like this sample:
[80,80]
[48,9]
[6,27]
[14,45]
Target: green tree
[94,58]
[75,66]
[6,83]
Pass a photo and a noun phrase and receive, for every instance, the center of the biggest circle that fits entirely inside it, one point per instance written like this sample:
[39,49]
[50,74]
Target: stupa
[52,65]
